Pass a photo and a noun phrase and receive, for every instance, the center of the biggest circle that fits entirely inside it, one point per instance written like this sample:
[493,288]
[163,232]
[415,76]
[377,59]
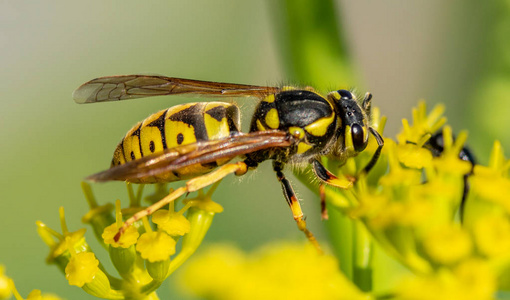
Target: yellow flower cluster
[412,210]
[141,255]
[7,289]
[279,271]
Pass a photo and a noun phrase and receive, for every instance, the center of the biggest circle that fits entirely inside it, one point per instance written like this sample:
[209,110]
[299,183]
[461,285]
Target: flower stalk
[142,256]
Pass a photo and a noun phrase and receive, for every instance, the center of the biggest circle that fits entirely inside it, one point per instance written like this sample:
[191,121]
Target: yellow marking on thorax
[320,127]
[269,98]
[335,95]
[303,147]
[272,119]
[260,127]
[131,145]
[297,132]
[288,88]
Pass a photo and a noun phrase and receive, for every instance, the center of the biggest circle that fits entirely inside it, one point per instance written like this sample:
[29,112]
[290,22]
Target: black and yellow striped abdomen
[176,126]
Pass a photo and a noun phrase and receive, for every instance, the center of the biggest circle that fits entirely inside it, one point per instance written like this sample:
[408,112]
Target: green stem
[151,287]
[314,51]
[362,257]
[313,47]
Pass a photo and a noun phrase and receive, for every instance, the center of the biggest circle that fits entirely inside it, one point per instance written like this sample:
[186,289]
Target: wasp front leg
[294,205]
[330,179]
[377,153]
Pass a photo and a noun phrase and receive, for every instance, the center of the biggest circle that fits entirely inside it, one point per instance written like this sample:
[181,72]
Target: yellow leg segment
[192,185]
[294,205]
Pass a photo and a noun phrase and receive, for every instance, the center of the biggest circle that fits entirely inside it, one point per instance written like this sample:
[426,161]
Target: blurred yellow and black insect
[197,141]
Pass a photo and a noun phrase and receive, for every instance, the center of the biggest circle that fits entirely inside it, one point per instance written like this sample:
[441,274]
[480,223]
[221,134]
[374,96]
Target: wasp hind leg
[294,205]
[192,185]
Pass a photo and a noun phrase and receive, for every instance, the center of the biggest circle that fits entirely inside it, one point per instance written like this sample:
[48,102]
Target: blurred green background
[453,52]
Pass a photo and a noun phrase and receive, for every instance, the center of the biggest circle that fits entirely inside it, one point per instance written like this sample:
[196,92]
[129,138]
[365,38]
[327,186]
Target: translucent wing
[123,87]
[176,158]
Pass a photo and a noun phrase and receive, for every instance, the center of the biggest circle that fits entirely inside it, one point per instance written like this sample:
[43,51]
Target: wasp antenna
[366,102]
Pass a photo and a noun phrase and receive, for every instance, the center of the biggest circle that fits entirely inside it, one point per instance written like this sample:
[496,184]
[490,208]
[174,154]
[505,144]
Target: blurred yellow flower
[414,156]
[283,271]
[471,280]
[36,295]
[492,235]
[447,244]
[5,290]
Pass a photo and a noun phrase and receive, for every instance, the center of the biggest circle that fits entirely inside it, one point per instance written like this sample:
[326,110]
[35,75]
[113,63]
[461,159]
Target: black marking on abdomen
[232,115]
[160,124]
[180,138]
[217,112]
[137,133]
[193,116]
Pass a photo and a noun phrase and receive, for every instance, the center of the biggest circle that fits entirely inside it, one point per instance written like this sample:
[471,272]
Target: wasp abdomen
[179,125]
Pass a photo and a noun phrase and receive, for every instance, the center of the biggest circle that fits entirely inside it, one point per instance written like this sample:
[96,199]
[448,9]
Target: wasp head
[353,131]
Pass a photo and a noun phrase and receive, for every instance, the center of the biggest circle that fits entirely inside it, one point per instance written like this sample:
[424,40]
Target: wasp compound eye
[345,94]
[358,138]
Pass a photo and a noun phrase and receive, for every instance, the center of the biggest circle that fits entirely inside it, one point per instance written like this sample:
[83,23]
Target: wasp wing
[197,153]
[112,88]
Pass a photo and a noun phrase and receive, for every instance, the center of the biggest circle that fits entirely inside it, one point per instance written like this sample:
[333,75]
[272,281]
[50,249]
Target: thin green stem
[362,257]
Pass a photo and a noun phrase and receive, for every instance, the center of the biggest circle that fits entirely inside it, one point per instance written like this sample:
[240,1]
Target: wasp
[198,141]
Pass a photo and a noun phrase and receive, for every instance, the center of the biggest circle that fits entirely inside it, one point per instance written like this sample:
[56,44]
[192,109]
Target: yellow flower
[36,295]
[285,271]
[82,268]
[204,203]
[414,156]
[5,291]
[171,222]
[423,123]
[477,279]
[447,244]
[489,185]
[492,235]
[397,175]
[128,238]
[155,246]
[215,270]
[472,280]
[74,239]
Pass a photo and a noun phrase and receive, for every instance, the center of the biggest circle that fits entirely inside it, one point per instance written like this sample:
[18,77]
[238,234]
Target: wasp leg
[377,153]
[329,178]
[192,185]
[293,202]
[324,209]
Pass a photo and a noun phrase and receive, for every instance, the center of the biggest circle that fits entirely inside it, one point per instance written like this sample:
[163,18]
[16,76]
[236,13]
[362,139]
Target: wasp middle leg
[294,205]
